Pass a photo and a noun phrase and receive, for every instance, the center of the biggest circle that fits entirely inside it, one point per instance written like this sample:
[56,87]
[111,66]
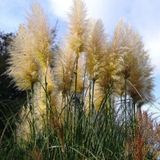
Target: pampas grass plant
[82,108]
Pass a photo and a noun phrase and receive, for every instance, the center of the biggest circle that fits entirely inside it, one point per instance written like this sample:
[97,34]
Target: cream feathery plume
[22,68]
[77,27]
[41,36]
[30,64]
[65,68]
[109,74]
[136,67]
[96,48]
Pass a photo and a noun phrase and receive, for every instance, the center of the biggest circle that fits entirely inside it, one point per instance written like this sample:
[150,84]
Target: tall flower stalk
[136,70]
[95,55]
[30,64]
[77,33]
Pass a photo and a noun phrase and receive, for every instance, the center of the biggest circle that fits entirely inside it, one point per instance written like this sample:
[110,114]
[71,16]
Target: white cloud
[152,44]
[60,7]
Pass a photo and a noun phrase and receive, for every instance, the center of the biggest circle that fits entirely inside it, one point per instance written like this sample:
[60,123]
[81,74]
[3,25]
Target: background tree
[10,98]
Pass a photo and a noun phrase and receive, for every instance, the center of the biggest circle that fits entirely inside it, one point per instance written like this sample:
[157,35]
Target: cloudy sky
[143,15]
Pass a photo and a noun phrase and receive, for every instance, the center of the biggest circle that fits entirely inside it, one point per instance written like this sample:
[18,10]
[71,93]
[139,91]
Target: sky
[142,15]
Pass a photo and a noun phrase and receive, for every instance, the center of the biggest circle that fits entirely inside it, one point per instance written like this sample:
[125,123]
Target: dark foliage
[10,98]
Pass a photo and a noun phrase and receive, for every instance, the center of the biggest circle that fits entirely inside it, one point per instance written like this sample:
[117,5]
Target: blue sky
[143,15]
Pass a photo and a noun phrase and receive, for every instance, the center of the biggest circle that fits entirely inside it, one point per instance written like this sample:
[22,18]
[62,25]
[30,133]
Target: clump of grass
[98,136]
[80,110]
